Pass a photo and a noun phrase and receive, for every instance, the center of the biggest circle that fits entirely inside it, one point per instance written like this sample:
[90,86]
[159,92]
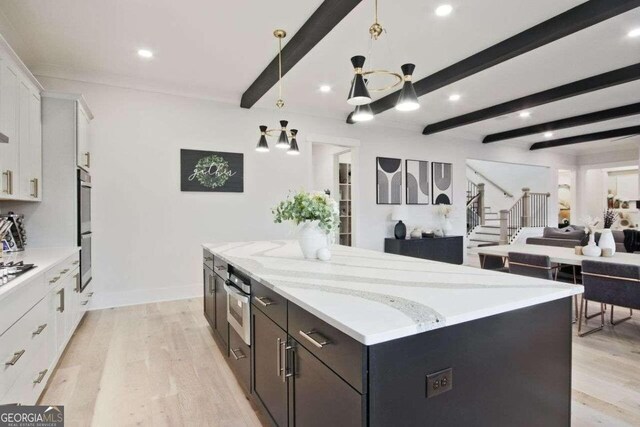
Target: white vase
[312,238]
[591,249]
[447,227]
[607,241]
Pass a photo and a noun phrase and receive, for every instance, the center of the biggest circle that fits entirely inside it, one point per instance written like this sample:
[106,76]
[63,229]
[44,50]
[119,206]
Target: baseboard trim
[104,300]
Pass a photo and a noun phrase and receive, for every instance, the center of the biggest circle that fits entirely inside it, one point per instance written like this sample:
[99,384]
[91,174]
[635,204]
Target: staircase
[488,228]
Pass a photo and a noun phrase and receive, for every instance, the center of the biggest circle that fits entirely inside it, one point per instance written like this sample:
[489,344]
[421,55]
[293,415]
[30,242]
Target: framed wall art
[388,181]
[441,183]
[211,171]
[417,182]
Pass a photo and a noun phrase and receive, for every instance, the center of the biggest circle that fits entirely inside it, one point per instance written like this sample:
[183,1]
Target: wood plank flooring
[157,365]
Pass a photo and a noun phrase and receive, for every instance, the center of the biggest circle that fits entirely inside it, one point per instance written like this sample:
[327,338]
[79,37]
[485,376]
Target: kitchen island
[376,339]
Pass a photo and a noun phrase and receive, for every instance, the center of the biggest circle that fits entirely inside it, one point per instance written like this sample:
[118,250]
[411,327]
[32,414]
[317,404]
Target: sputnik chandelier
[286,140]
[359,94]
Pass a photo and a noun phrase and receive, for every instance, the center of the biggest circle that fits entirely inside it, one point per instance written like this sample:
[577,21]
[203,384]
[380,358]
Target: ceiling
[215,49]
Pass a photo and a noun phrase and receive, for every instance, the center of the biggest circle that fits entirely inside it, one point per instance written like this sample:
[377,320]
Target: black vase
[400,231]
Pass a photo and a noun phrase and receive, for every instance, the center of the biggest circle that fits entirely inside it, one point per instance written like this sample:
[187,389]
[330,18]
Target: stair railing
[503,190]
[530,210]
[475,205]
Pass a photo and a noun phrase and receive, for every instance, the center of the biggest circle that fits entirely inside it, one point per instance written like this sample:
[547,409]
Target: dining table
[556,254]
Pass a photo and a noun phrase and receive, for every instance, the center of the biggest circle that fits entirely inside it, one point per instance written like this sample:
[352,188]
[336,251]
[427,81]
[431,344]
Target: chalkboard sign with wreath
[211,171]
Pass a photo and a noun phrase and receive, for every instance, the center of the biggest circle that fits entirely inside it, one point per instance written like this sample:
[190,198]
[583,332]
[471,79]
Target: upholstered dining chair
[609,283]
[540,266]
[493,262]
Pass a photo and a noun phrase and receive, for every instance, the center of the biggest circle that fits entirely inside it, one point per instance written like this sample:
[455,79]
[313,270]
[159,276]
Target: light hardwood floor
[157,364]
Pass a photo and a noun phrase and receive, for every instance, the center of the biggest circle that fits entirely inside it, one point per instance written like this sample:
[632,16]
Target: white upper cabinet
[9,109]
[21,123]
[82,138]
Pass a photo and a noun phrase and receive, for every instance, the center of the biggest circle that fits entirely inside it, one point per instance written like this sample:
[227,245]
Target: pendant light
[359,93]
[283,139]
[408,100]
[262,146]
[283,136]
[293,148]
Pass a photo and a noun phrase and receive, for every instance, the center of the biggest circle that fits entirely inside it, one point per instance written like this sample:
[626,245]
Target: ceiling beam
[323,20]
[580,87]
[597,136]
[573,20]
[584,119]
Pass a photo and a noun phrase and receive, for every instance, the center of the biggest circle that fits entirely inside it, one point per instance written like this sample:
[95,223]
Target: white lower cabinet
[30,347]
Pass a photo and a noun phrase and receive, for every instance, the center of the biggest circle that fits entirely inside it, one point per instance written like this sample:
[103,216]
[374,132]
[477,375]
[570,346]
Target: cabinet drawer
[20,301]
[344,355]
[270,303]
[31,380]
[239,359]
[207,258]
[62,270]
[220,268]
[20,343]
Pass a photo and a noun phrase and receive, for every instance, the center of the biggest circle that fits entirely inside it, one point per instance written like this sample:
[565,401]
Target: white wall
[147,234]
[323,159]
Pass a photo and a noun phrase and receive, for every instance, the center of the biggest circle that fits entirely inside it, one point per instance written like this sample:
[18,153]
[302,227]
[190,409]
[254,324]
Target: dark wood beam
[580,87]
[323,20]
[597,136]
[584,119]
[573,20]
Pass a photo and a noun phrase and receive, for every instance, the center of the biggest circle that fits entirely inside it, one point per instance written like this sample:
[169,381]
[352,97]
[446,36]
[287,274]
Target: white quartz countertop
[43,258]
[376,297]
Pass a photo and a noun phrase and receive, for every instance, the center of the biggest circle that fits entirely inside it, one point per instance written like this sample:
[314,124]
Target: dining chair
[493,262]
[609,283]
[538,266]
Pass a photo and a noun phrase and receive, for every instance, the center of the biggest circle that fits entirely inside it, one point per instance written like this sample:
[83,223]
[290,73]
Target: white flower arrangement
[590,224]
[445,211]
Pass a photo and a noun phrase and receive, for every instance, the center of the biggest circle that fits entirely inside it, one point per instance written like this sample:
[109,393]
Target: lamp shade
[408,100]
[358,94]
[262,143]
[293,146]
[283,139]
[399,213]
[362,113]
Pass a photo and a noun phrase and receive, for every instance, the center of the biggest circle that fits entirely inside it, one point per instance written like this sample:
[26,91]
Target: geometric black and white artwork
[211,171]
[417,182]
[441,183]
[388,181]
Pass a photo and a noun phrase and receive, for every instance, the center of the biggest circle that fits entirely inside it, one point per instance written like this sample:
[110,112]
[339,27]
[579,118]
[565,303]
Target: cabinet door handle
[41,375]
[208,258]
[88,161]
[307,335]
[39,330]
[34,184]
[77,288]
[264,301]
[10,181]
[16,356]
[235,351]
[279,356]
[220,267]
[5,189]
[61,294]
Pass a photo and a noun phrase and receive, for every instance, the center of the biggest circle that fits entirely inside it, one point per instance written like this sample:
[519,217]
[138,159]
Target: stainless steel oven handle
[236,294]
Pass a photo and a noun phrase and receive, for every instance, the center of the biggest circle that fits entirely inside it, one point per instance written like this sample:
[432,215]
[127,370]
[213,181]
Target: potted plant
[319,216]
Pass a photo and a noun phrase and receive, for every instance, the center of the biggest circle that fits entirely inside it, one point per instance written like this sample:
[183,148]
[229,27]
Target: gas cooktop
[11,270]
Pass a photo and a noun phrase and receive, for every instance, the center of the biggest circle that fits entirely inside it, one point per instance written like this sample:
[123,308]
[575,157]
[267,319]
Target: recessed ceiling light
[444,10]
[454,97]
[325,88]
[634,33]
[145,53]
[525,114]
[548,134]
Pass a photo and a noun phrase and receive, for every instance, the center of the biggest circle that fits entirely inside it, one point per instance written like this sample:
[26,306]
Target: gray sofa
[571,236]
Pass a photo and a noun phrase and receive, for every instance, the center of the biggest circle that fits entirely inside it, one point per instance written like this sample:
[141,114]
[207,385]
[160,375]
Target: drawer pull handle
[220,267]
[39,330]
[15,358]
[84,302]
[76,262]
[208,258]
[65,271]
[321,343]
[90,294]
[235,352]
[41,375]
[264,301]
[55,279]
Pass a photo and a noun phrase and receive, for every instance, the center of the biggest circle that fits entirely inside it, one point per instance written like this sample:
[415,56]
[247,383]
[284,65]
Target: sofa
[571,236]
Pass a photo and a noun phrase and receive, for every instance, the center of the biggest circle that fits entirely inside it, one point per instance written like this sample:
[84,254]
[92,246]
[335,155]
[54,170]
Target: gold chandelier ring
[276,132]
[389,73]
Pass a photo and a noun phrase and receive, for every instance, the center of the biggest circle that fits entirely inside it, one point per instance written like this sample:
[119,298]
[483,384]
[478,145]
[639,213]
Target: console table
[445,249]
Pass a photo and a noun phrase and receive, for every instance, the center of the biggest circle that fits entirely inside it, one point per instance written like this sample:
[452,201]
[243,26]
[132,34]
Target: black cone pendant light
[293,148]
[283,139]
[408,100]
[262,146]
[283,136]
[359,94]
